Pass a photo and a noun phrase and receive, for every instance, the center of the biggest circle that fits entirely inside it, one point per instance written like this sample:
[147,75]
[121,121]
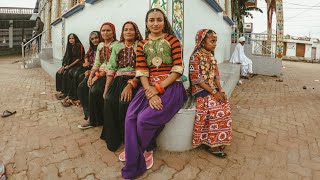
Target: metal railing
[31,48]
[258,42]
[15,10]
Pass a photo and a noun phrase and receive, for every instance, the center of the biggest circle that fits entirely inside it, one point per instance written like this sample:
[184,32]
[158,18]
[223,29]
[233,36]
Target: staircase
[49,64]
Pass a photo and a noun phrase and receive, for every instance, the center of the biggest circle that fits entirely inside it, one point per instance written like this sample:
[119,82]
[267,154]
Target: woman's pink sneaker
[122,156]
[149,159]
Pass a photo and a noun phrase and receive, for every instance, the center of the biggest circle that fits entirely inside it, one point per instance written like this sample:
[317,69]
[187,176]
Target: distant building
[15,26]
[301,49]
[294,48]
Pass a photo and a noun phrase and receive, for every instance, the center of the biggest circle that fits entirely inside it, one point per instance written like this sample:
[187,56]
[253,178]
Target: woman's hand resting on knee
[61,70]
[151,91]
[155,102]
[126,94]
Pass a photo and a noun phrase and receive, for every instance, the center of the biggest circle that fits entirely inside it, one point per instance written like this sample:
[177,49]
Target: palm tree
[240,10]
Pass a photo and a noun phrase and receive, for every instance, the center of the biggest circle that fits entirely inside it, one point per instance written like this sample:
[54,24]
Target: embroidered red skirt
[213,124]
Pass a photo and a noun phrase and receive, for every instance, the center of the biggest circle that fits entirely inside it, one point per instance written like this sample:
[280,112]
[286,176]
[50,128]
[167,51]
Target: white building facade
[187,17]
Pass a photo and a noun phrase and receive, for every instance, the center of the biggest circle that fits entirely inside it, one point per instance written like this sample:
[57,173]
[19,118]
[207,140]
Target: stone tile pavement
[276,132]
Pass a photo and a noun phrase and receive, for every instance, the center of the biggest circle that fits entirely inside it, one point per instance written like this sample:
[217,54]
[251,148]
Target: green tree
[240,10]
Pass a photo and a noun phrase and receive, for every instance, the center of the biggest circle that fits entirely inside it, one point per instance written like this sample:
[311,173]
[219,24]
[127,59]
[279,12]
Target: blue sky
[300,16]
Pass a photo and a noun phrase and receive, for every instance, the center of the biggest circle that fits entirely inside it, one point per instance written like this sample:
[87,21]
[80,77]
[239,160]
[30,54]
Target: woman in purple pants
[159,66]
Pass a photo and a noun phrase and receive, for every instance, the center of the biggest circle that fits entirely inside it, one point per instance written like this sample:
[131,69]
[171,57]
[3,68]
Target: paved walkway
[276,132]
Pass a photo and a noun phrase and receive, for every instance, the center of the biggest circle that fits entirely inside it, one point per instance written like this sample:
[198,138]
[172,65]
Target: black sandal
[7,113]
[66,103]
[60,96]
[219,154]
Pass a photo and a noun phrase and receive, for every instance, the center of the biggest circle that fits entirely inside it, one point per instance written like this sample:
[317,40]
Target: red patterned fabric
[212,125]
[203,69]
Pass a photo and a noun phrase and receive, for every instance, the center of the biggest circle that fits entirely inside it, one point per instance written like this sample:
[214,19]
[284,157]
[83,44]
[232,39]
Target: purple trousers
[143,125]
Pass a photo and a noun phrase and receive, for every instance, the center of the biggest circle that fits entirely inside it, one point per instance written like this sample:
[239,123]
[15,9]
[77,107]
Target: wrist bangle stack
[159,88]
[133,83]
[97,74]
[214,91]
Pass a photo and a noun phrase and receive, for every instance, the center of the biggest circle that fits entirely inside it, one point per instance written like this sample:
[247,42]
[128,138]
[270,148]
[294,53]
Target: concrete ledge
[46,53]
[91,1]
[56,21]
[266,66]
[33,62]
[228,20]
[73,10]
[262,65]
[51,66]
[177,134]
[215,5]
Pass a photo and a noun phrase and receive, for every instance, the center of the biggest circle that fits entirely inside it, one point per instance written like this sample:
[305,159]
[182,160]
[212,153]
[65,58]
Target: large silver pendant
[157,61]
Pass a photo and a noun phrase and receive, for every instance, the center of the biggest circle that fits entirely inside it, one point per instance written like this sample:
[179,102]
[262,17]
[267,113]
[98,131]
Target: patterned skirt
[212,125]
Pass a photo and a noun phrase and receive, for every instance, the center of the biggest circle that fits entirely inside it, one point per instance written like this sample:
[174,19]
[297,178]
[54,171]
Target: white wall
[197,15]
[308,51]
[317,51]
[291,49]
[92,16]
[57,41]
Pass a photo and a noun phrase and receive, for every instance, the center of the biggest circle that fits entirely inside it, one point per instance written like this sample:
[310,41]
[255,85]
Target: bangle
[159,88]
[133,83]
[97,74]
[214,91]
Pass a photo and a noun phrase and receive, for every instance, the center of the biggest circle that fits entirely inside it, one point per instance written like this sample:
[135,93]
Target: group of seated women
[133,87]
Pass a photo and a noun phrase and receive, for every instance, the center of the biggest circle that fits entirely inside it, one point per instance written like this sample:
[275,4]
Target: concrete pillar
[280,28]
[11,34]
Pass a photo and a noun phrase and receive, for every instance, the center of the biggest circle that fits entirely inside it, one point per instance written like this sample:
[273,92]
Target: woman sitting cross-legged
[123,85]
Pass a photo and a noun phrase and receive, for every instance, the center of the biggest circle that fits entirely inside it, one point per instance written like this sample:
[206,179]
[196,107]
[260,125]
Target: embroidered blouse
[122,60]
[90,55]
[203,68]
[157,58]
[103,55]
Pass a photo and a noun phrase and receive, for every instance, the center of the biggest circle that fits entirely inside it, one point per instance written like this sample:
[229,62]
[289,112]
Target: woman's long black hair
[68,54]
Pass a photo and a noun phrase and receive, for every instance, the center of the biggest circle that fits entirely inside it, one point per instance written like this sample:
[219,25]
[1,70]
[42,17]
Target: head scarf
[98,34]
[201,35]
[112,27]
[242,39]
[138,36]
[167,27]
[105,51]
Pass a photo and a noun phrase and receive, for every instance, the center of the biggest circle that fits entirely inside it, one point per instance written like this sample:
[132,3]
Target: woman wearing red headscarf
[123,85]
[97,78]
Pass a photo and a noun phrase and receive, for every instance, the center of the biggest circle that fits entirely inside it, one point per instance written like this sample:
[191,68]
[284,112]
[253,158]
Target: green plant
[240,10]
